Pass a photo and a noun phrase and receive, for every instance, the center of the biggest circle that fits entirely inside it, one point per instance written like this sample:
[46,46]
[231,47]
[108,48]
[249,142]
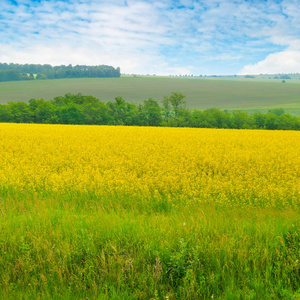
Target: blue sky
[164,37]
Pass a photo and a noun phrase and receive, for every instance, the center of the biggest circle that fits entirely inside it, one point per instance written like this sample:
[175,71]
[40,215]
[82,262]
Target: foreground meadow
[139,213]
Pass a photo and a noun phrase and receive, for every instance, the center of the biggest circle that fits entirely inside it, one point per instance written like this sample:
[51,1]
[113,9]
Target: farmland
[117,212]
[202,93]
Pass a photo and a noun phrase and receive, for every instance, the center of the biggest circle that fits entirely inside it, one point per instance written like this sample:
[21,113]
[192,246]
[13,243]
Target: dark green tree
[5,113]
[96,113]
[152,111]
[259,120]
[271,121]
[70,114]
[20,112]
[277,111]
[175,101]
[166,109]
[121,112]
[240,120]
[42,111]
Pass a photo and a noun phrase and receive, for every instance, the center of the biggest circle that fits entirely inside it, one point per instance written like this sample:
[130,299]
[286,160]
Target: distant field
[224,93]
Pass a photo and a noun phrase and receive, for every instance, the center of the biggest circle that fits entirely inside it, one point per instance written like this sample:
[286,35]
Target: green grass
[289,108]
[202,93]
[79,246]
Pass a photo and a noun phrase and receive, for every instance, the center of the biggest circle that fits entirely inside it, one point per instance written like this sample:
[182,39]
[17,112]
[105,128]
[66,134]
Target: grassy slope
[82,247]
[227,93]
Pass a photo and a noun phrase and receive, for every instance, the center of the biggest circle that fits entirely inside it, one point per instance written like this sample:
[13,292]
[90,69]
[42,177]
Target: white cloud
[281,62]
[106,33]
[283,32]
[142,36]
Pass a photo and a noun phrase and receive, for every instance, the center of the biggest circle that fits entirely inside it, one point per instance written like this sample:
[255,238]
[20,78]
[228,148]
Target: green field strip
[200,93]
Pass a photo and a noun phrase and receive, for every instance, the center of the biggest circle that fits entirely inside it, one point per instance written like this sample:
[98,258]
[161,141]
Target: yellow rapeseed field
[219,166]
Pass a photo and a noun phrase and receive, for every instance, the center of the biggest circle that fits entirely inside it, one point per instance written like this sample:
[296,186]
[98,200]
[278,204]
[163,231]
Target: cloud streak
[163,37]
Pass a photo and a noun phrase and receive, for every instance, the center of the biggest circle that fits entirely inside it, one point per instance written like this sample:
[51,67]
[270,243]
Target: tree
[40,76]
[70,114]
[20,112]
[271,121]
[183,119]
[96,113]
[240,120]
[167,110]
[259,120]
[42,111]
[277,111]
[152,112]
[215,118]
[122,112]
[287,122]
[176,101]
[5,113]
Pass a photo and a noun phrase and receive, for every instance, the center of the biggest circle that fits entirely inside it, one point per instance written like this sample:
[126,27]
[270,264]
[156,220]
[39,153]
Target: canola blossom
[250,168]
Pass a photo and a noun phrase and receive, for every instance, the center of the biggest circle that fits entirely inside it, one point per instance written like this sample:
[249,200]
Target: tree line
[171,111]
[15,72]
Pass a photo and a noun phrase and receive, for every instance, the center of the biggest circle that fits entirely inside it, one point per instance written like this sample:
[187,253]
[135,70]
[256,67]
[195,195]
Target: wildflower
[224,167]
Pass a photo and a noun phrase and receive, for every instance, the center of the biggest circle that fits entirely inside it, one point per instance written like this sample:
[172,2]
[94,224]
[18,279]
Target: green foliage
[241,120]
[178,263]
[259,120]
[167,111]
[215,118]
[5,113]
[277,111]
[285,76]
[40,76]
[19,112]
[80,109]
[176,102]
[152,112]
[12,75]
[14,72]
[42,111]
[121,112]
[96,113]
[70,114]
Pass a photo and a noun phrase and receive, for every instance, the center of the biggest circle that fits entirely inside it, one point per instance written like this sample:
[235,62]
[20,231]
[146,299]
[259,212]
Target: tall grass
[75,248]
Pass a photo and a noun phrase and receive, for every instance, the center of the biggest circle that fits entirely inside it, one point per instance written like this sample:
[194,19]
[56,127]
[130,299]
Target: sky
[166,37]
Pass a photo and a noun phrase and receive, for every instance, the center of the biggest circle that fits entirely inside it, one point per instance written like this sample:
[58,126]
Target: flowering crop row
[218,166]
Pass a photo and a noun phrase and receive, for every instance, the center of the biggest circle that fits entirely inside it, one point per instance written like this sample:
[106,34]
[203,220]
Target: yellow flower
[218,166]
